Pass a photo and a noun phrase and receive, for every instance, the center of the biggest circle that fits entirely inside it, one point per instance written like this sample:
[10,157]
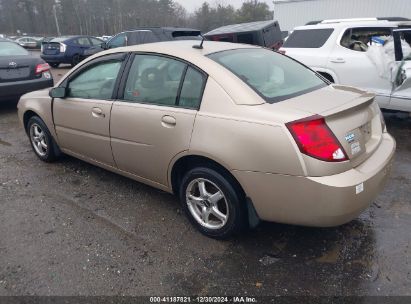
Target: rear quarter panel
[240,137]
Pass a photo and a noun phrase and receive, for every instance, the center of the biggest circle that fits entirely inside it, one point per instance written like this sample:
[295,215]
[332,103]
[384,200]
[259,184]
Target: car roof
[344,23]
[183,49]
[241,27]
[65,38]
[171,29]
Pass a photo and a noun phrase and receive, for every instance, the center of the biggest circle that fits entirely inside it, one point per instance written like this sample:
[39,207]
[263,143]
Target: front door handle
[168,121]
[97,113]
[338,60]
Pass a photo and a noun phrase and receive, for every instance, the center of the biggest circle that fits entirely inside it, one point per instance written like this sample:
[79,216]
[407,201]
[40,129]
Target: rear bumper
[319,201]
[60,58]
[19,88]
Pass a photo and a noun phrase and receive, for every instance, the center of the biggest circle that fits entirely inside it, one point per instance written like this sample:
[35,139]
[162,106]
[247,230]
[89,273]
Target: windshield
[12,49]
[273,76]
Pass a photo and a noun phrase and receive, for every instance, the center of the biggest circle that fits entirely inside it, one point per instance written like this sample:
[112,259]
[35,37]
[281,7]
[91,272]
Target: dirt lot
[69,228]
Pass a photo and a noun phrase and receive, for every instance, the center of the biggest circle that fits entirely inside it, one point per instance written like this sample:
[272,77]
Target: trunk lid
[51,48]
[353,117]
[16,69]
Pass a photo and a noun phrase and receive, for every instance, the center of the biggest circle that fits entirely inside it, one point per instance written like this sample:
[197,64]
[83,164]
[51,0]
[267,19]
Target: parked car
[29,42]
[263,33]
[146,35]
[21,72]
[238,132]
[68,49]
[344,52]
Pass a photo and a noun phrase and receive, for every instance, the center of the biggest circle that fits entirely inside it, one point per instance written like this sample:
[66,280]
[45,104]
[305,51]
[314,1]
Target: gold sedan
[239,133]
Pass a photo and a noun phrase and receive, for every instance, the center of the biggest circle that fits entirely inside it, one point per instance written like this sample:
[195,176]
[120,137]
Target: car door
[83,44]
[154,119]
[82,118]
[352,65]
[401,94]
[117,41]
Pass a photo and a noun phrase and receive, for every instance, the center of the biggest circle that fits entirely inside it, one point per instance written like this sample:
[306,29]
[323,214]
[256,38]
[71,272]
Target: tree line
[108,17]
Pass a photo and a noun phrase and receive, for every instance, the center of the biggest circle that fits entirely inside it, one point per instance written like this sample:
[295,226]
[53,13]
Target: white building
[292,13]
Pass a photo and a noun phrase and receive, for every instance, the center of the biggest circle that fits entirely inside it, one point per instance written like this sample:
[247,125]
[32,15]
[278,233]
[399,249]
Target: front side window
[312,39]
[118,41]
[359,39]
[273,76]
[96,82]
[154,80]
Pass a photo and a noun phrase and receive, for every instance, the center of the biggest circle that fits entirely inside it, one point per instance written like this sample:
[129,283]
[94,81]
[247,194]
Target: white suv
[340,50]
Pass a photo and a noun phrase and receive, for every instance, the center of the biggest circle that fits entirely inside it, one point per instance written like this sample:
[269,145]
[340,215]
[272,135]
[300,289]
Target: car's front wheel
[41,140]
[213,203]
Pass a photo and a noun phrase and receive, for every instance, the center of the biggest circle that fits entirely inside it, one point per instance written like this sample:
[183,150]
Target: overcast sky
[191,5]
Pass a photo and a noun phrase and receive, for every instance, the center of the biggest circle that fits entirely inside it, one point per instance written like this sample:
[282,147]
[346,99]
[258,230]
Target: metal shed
[292,13]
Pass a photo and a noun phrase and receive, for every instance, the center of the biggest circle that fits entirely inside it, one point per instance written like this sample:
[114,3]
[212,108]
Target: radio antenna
[199,47]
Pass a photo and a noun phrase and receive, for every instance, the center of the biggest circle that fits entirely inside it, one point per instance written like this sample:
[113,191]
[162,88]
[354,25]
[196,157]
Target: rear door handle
[338,60]
[168,121]
[97,113]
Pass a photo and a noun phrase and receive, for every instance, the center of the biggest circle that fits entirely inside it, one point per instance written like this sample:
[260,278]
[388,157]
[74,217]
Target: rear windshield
[308,38]
[12,49]
[273,76]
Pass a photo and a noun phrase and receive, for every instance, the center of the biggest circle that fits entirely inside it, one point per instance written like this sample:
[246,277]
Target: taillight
[41,68]
[63,48]
[315,139]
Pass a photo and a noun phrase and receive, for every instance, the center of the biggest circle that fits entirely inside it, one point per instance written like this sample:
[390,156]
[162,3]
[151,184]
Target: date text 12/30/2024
[203,300]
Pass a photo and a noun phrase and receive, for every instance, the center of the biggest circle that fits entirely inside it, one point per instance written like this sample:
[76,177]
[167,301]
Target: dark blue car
[69,49]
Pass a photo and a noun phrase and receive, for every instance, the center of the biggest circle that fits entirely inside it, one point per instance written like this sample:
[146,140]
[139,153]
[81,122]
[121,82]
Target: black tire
[237,213]
[52,152]
[75,60]
[54,65]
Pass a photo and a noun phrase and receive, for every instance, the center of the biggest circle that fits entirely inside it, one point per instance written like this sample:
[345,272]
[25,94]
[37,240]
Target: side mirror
[104,46]
[59,92]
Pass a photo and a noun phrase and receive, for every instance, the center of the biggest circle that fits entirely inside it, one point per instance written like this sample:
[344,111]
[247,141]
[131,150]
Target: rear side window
[95,41]
[359,39]
[83,41]
[311,39]
[192,90]
[164,81]
[154,80]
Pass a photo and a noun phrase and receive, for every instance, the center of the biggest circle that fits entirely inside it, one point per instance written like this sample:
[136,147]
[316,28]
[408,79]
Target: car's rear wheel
[76,60]
[54,65]
[41,140]
[212,203]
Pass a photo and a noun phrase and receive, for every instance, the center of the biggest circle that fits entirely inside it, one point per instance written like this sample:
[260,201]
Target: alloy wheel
[38,139]
[207,204]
